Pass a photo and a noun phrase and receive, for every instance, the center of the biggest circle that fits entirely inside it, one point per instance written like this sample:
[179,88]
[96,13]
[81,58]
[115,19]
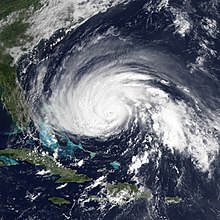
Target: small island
[64,174]
[59,201]
[2,164]
[173,200]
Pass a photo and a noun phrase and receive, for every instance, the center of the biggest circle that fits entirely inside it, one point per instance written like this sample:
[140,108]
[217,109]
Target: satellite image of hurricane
[110,110]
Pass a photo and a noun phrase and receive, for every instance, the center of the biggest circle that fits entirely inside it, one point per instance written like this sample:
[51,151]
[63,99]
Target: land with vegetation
[13,26]
[133,190]
[59,201]
[64,175]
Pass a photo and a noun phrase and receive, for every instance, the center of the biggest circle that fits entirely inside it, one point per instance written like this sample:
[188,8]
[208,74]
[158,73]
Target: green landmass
[2,164]
[11,95]
[133,191]
[59,201]
[115,188]
[12,35]
[64,174]
[173,200]
[9,6]
[121,193]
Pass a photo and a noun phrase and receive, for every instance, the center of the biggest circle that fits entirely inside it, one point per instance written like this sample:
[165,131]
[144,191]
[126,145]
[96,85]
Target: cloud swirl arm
[131,98]
[103,82]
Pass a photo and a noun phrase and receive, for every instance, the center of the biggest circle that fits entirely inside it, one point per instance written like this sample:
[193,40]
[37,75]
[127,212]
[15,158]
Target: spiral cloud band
[130,98]
[108,86]
[106,98]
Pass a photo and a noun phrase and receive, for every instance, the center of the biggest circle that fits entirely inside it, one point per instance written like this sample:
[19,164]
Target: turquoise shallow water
[115,165]
[8,161]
